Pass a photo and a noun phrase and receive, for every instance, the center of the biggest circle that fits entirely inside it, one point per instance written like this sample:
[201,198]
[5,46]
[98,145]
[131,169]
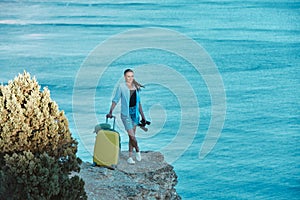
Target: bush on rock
[37,151]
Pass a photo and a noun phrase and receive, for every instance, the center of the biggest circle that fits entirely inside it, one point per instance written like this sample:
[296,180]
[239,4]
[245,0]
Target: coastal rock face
[152,178]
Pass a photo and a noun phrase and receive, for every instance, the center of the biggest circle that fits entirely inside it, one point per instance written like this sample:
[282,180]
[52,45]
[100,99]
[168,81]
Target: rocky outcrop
[152,178]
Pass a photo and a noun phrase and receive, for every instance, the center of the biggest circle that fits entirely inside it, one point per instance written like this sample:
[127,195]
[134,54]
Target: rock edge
[152,178]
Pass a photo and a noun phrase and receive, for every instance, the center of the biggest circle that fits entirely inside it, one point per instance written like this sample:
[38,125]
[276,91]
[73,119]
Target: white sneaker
[138,156]
[130,161]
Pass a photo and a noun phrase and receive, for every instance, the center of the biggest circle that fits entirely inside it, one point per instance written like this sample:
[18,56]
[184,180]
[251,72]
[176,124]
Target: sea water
[255,46]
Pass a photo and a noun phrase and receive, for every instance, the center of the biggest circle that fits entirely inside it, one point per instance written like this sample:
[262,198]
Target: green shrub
[37,151]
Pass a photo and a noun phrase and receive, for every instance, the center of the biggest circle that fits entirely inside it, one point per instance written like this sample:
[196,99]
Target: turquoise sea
[255,46]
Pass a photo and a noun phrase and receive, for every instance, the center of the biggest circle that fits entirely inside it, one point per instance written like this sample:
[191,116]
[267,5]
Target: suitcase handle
[114,121]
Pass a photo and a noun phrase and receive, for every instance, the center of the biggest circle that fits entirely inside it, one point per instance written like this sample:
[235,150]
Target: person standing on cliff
[131,109]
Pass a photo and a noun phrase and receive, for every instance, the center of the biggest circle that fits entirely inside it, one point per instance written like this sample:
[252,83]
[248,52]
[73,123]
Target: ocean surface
[255,46]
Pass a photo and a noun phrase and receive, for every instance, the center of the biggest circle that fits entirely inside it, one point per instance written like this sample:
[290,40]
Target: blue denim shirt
[123,93]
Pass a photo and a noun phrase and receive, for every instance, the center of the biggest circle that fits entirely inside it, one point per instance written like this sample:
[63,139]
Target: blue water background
[255,45]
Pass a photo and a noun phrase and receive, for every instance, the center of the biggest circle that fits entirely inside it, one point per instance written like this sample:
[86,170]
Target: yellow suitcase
[107,145]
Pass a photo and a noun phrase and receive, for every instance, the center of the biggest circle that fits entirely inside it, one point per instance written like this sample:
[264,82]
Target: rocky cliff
[152,178]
